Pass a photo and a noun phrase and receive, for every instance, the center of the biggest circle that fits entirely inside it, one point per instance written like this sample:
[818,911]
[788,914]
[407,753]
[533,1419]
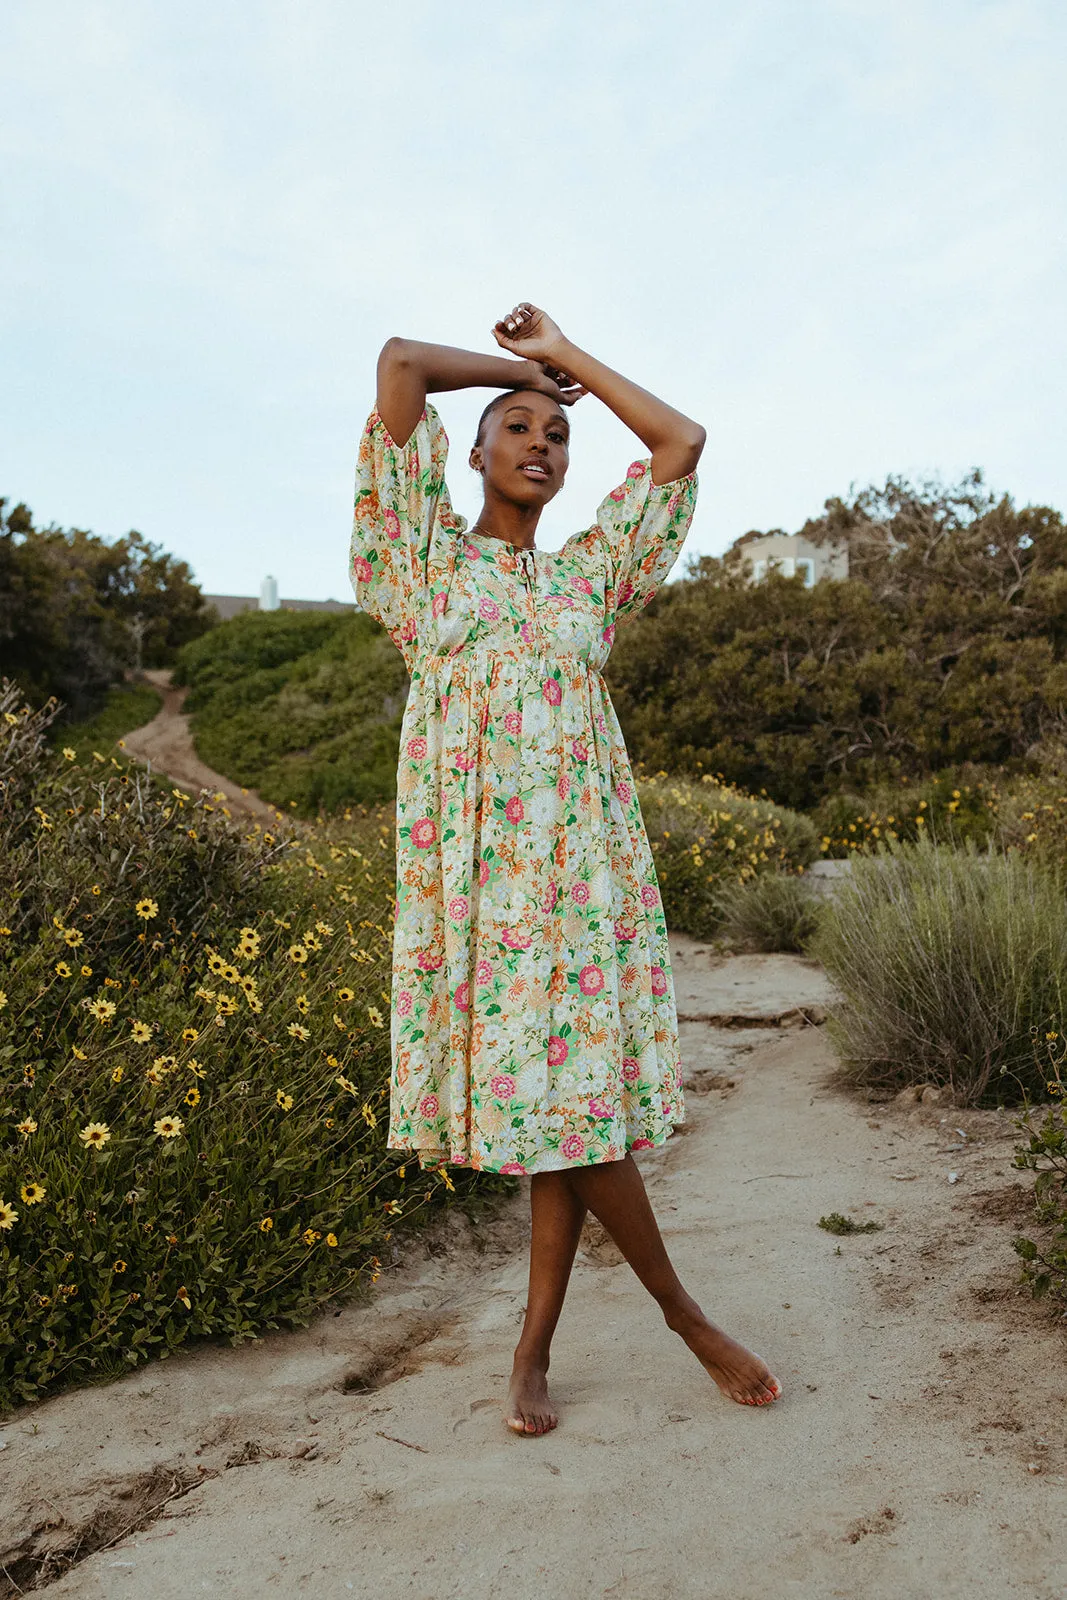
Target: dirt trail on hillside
[167,744]
[918,1450]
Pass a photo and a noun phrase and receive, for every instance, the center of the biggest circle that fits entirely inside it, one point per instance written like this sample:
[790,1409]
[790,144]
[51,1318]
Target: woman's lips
[537,470]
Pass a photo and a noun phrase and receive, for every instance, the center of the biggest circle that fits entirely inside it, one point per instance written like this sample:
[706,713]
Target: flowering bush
[1044,1261]
[193,1066]
[951,808]
[706,836]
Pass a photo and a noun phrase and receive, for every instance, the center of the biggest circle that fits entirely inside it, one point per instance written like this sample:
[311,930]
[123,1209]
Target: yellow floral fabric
[533,1020]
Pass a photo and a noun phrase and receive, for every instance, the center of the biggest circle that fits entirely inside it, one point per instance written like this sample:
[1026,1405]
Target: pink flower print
[573,1147]
[483,720]
[403,1003]
[424,833]
[444,705]
[551,896]
[503,1085]
[591,979]
[600,1108]
[513,721]
[466,763]
[630,1070]
[563,786]
[623,791]
[484,971]
[624,931]
[582,585]
[526,634]
[659,981]
[580,893]
[626,592]
[619,493]
[636,469]
[488,609]
[407,632]
[648,895]
[641,1144]
[608,635]
[514,810]
[428,962]
[515,940]
[429,1105]
[471,552]
[458,907]
[513,1169]
[440,601]
[362,569]
[483,873]
[396,907]
[417,748]
[673,503]
[579,750]
[552,691]
[558,1050]
[392,524]
[463,997]
[601,724]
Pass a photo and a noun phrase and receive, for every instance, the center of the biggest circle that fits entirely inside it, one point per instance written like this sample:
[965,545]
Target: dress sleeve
[643,527]
[404,527]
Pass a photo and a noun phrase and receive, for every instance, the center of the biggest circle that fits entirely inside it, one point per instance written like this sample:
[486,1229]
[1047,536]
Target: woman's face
[524,453]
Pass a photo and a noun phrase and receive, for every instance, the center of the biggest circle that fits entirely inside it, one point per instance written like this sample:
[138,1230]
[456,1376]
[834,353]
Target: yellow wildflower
[153,1076]
[369,1118]
[79,1055]
[3,999]
[226,1005]
[192,1096]
[95,1135]
[297,954]
[346,994]
[323,928]
[96,890]
[33,1193]
[183,1296]
[310,1235]
[102,1010]
[331,1240]
[393,1207]
[284,1100]
[87,972]
[311,942]
[118,1266]
[146,909]
[343,1083]
[216,962]
[8,1215]
[68,752]
[117,1075]
[140,1032]
[26,1127]
[376,1017]
[196,1069]
[168,1127]
[329,1122]
[297,1031]
[266,1225]
[73,937]
[62,970]
[303,1004]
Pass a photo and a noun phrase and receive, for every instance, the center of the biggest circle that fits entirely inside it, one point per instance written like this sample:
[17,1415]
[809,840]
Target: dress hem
[431,1158]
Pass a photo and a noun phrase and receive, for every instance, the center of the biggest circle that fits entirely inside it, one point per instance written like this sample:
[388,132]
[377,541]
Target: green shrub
[303,706]
[194,1067]
[950,963]
[1044,1264]
[128,706]
[705,835]
[776,911]
[952,808]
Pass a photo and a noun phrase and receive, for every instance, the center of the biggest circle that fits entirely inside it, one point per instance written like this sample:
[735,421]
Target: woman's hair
[497,400]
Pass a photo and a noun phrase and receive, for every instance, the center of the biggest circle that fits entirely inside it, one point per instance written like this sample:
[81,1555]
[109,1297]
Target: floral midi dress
[533,1022]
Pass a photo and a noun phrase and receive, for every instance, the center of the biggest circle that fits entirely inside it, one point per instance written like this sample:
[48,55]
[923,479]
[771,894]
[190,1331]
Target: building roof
[231,605]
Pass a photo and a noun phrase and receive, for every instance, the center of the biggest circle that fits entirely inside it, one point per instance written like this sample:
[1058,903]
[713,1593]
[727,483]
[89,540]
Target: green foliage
[837,1222]
[128,706]
[951,807]
[946,645]
[774,911]
[1044,1264]
[194,1067]
[70,604]
[305,707]
[706,835]
[950,963]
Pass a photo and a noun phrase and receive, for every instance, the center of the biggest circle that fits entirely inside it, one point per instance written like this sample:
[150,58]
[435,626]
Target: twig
[760,1175]
[406,1442]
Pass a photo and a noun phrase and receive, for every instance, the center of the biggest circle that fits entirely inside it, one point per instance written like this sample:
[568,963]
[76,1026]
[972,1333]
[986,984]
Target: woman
[533,1018]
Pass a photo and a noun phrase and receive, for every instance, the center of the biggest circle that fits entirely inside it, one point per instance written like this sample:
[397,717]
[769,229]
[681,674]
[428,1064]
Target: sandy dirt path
[166,743]
[918,1450]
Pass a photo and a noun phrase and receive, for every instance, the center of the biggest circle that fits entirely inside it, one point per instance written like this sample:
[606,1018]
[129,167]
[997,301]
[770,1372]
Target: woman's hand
[529,332]
[550,381]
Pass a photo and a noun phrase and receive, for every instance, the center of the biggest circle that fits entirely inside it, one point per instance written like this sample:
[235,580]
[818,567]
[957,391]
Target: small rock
[953,1177]
[910,1095]
[930,1096]
[1034,1466]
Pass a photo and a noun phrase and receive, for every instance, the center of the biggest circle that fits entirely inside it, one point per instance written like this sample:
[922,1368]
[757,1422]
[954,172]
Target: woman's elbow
[395,352]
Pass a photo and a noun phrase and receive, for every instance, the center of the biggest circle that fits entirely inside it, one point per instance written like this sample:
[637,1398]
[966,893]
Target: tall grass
[777,911]
[952,966]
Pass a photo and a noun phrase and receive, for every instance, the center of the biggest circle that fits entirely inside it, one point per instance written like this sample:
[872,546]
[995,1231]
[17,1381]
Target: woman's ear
[475,459]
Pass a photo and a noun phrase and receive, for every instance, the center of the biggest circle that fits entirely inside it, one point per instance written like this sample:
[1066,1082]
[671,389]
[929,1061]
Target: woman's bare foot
[739,1373]
[528,1409]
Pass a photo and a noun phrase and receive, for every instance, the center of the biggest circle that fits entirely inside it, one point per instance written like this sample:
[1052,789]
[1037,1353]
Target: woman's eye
[516,427]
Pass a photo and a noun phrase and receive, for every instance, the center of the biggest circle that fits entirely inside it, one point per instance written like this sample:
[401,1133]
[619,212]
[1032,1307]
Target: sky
[833,231]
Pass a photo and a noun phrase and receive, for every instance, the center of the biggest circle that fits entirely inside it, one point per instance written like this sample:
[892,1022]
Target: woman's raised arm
[673,440]
[409,370]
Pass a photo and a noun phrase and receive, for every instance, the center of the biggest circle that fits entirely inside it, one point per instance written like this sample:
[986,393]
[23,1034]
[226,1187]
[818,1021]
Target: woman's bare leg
[614,1192]
[556,1214]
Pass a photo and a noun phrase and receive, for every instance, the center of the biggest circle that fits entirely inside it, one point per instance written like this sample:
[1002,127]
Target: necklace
[490,533]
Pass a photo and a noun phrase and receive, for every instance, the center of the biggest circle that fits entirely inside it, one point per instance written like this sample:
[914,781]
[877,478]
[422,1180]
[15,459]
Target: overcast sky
[831,230]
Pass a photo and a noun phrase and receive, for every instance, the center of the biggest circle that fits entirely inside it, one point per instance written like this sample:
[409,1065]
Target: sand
[918,1449]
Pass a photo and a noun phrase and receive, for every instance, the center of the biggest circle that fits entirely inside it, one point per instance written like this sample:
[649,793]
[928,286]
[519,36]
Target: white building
[793,556]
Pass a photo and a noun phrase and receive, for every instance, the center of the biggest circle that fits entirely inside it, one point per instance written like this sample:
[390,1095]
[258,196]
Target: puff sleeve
[642,526]
[403,529]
